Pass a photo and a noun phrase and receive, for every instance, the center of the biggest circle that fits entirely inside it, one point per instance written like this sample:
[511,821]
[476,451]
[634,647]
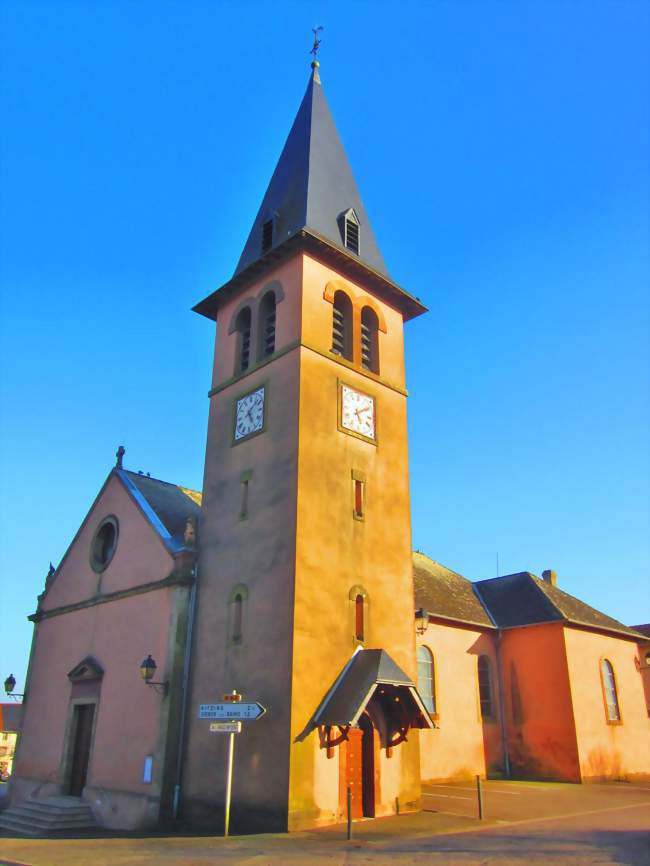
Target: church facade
[290,578]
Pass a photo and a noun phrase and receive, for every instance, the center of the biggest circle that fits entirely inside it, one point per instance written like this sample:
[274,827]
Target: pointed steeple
[312,189]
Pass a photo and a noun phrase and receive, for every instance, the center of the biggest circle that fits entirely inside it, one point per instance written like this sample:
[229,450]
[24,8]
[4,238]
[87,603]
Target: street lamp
[147,672]
[421,620]
[10,685]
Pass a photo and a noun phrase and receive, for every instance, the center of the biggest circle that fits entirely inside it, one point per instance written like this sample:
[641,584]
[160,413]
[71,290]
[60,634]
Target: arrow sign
[232,712]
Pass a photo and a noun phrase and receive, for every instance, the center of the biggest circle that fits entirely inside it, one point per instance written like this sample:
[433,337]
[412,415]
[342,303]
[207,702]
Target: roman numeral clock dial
[249,414]
[357,414]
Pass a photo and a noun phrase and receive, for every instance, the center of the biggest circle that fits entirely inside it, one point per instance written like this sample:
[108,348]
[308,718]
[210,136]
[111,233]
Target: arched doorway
[360,768]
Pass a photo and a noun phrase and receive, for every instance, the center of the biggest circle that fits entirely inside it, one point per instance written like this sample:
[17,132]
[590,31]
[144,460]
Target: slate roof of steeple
[312,185]
[311,189]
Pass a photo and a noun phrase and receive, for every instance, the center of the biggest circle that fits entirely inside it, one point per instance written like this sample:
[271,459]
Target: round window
[103,544]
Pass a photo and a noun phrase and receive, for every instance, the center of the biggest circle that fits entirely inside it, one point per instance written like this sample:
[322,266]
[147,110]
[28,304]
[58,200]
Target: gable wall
[611,751]
[140,556]
[541,738]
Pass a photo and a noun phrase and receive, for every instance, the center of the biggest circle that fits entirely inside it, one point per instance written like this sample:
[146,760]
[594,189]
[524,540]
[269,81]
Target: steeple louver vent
[352,235]
[267,235]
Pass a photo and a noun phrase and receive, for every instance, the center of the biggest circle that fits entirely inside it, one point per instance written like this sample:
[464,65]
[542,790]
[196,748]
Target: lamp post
[147,672]
[10,685]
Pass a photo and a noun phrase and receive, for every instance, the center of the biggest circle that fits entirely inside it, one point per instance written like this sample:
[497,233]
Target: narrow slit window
[358,617]
[342,326]
[237,606]
[485,687]
[358,499]
[243,327]
[267,315]
[243,511]
[267,236]
[369,340]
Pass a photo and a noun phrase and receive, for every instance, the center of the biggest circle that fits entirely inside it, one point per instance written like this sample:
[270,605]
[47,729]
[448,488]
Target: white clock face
[249,415]
[357,412]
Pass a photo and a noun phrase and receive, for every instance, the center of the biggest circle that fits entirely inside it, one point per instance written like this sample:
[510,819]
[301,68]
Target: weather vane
[317,41]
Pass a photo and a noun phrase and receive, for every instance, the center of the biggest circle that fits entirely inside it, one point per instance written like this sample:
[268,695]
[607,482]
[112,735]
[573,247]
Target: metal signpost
[226,719]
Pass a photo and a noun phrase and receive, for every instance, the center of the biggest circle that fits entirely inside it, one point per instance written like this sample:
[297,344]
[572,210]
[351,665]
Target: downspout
[502,709]
[184,697]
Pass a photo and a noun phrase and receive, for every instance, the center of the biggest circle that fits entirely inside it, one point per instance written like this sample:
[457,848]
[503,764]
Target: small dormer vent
[352,235]
[349,228]
[267,235]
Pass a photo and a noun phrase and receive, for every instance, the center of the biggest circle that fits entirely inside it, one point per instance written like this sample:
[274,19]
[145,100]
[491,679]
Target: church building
[290,578]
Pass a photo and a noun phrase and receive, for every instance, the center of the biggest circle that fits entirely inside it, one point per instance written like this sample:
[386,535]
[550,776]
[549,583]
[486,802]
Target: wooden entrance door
[82,726]
[354,770]
[360,768]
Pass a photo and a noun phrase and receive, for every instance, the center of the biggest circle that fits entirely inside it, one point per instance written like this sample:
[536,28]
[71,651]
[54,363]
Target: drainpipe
[502,709]
[184,697]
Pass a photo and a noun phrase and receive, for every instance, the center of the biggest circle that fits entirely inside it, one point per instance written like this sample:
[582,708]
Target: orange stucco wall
[335,552]
[298,553]
[463,744]
[608,751]
[540,731]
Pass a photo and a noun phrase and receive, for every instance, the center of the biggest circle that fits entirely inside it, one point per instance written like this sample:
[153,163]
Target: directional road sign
[245,712]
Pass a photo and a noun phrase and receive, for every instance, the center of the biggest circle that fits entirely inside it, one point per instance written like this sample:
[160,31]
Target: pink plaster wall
[614,751]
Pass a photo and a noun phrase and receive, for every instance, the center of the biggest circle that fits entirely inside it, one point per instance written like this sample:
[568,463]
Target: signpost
[226,719]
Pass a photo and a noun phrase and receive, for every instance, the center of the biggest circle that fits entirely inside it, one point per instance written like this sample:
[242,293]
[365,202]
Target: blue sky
[501,149]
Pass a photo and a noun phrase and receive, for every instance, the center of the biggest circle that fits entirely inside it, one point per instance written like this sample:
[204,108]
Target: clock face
[249,414]
[357,412]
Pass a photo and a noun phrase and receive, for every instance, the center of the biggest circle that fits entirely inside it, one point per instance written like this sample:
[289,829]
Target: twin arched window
[427,679]
[343,332]
[265,332]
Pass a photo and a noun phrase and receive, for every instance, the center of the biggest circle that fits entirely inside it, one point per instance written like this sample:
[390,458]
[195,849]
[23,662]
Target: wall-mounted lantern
[147,672]
[421,620]
[10,685]
[643,666]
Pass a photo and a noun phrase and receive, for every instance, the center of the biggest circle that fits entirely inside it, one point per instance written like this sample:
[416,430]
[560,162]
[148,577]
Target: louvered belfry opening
[267,325]
[243,326]
[342,326]
[352,235]
[369,340]
[267,235]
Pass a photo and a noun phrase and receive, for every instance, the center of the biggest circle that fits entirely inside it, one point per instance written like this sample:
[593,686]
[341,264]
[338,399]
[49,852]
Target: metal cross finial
[317,41]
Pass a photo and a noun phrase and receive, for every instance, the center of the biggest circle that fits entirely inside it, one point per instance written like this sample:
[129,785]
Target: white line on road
[448,796]
[486,790]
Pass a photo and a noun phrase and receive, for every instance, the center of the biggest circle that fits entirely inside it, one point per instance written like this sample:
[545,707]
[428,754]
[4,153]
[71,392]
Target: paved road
[581,826]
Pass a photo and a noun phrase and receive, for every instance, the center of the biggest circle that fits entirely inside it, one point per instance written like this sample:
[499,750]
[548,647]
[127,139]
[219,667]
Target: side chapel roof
[446,594]
[166,506]
[524,599]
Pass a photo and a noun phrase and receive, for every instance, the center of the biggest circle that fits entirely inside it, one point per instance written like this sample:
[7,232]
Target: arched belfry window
[243,328]
[427,679]
[369,340]
[342,325]
[266,329]
[485,687]
[610,693]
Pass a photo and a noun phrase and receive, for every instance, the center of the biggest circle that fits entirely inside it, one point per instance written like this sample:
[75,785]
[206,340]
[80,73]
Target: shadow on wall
[603,764]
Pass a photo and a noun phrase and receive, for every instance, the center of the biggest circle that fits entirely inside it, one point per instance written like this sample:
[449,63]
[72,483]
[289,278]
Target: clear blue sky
[502,152]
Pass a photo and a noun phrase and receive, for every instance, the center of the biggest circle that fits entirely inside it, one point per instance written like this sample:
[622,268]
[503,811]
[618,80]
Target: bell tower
[305,597]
